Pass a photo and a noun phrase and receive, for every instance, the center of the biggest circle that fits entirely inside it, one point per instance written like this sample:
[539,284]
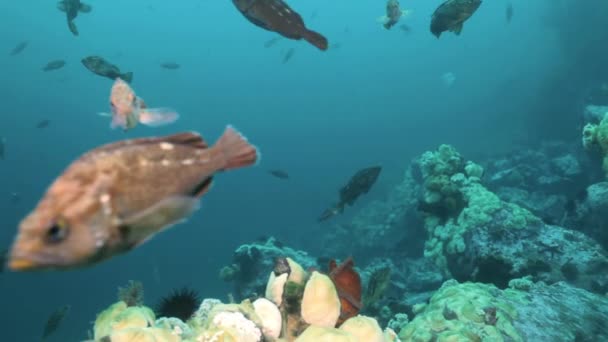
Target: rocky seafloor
[511,248]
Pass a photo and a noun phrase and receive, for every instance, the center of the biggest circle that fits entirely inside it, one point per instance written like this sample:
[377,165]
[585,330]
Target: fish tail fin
[155,117]
[316,39]
[127,76]
[72,27]
[238,152]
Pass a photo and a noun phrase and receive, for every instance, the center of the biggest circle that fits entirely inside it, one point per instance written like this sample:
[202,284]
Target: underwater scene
[286,170]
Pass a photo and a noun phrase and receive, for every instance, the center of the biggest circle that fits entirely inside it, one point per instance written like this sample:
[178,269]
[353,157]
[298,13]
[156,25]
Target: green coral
[598,135]
[453,187]
[465,312]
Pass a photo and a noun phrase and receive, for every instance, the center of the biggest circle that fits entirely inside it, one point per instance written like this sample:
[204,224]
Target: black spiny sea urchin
[180,303]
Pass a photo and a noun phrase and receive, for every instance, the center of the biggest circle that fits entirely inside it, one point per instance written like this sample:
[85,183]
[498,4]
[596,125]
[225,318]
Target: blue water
[377,99]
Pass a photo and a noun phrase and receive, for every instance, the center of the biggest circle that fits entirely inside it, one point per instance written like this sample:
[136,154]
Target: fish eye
[57,232]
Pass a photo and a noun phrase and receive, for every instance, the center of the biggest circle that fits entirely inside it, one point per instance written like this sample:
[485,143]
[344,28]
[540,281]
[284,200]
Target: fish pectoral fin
[142,225]
[383,19]
[84,8]
[61,6]
[457,29]
[104,114]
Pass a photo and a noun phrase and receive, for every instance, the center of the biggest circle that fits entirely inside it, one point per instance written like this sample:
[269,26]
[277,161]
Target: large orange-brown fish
[277,16]
[117,196]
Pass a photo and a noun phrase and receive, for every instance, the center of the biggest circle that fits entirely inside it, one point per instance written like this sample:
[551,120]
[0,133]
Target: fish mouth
[21,262]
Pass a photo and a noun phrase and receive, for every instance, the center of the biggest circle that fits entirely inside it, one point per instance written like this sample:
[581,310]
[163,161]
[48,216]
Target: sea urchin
[181,304]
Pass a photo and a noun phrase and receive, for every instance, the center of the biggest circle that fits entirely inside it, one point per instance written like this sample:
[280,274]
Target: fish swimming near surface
[54,321]
[54,65]
[288,55]
[451,15]
[405,28]
[100,66]
[117,196]
[358,185]
[170,65]
[19,48]
[279,174]
[277,16]
[393,14]
[509,12]
[71,9]
[43,123]
[128,109]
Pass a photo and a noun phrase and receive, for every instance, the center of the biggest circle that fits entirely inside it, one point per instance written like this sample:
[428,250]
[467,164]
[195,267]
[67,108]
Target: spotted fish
[117,196]
[277,16]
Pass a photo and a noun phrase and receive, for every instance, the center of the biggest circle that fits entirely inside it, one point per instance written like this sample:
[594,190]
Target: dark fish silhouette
[3,258]
[277,16]
[2,147]
[101,67]
[19,48]
[71,9]
[170,65]
[288,55]
[405,28]
[54,321]
[279,174]
[358,185]
[272,42]
[43,123]
[54,65]
[509,12]
[451,15]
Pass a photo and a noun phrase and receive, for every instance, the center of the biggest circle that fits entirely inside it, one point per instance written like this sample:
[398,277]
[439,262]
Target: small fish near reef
[2,147]
[451,15]
[279,174]
[19,48]
[71,9]
[393,14]
[358,185]
[54,65]
[288,55]
[100,66]
[128,109]
[117,196]
[54,321]
[43,123]
[509,12]
[277,16]
[170,65]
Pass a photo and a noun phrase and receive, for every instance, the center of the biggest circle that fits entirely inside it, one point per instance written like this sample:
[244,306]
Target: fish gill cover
[456,150]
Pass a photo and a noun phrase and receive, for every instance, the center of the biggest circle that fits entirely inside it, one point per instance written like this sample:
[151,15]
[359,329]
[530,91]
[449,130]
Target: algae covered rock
[480,312]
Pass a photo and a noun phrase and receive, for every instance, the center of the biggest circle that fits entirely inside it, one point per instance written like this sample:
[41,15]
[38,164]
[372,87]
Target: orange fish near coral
[348,283]
[117,196]
[277,16]
[128,109]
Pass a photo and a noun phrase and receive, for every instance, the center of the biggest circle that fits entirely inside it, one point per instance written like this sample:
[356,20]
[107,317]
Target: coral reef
[252,260]
[298,307]
[474,235]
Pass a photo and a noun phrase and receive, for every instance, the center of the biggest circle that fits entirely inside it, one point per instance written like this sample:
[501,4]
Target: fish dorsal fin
[61,6]
[457,29]
[191,139]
